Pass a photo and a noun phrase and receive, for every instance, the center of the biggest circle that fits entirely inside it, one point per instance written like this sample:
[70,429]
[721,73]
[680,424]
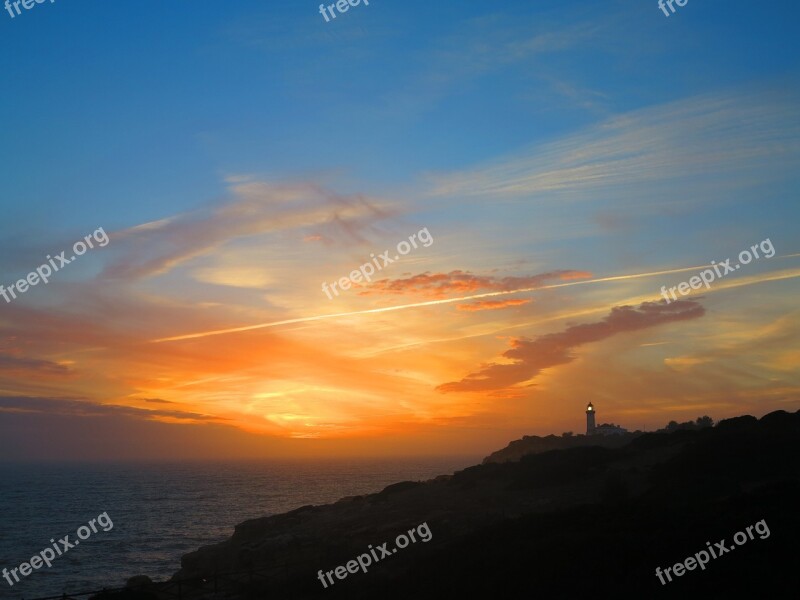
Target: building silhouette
[604,429]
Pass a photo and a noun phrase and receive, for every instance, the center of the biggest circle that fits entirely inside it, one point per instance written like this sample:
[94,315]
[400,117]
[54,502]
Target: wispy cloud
[84,408]
[12,364]
[700,139]
[323,317]
[256,208]
[480,46]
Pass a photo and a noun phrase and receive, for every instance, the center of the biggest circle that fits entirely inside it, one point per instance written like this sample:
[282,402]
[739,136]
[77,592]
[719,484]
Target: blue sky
[239,153]
[118,109]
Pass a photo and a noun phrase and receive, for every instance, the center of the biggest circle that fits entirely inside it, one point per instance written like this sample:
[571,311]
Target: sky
[536,177]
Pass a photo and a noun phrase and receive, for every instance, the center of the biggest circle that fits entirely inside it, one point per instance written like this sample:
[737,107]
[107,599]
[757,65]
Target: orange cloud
[531,357]
[440,285]
[490,305]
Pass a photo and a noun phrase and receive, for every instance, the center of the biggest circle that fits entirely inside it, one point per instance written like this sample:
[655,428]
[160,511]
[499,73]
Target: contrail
[419,304]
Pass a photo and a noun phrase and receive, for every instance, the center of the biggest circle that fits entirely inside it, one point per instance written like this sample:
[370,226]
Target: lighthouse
[590,419]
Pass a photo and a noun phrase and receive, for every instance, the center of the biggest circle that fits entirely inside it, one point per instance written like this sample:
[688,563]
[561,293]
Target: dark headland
[575,522]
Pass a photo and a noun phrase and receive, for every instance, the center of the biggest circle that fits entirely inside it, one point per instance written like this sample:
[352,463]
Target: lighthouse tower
[590,419]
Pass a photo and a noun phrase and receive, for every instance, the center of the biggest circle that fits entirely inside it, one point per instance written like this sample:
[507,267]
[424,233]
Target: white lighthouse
[590,419]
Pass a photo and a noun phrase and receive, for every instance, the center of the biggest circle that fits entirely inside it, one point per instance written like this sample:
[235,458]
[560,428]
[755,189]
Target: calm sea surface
[161,512]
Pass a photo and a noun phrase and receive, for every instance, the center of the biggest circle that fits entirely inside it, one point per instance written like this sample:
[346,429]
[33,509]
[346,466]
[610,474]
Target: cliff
[536,445]
[566,522]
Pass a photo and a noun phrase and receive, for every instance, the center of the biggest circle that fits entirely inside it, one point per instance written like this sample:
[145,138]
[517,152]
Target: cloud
[85,408]
[440,285]
[490,305]
[732,139]
[15,363]
[39,434]
[480,47]
[685,362]
[323,317]
[532,356]
[257,208]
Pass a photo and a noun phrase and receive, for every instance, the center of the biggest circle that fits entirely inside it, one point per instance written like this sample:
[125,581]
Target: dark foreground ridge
[532,444]
[578,522]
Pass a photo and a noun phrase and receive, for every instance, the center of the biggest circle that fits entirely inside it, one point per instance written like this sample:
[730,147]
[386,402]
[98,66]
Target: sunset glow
[559,202]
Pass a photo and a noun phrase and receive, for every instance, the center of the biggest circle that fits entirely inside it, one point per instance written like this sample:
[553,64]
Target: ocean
[162,511]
